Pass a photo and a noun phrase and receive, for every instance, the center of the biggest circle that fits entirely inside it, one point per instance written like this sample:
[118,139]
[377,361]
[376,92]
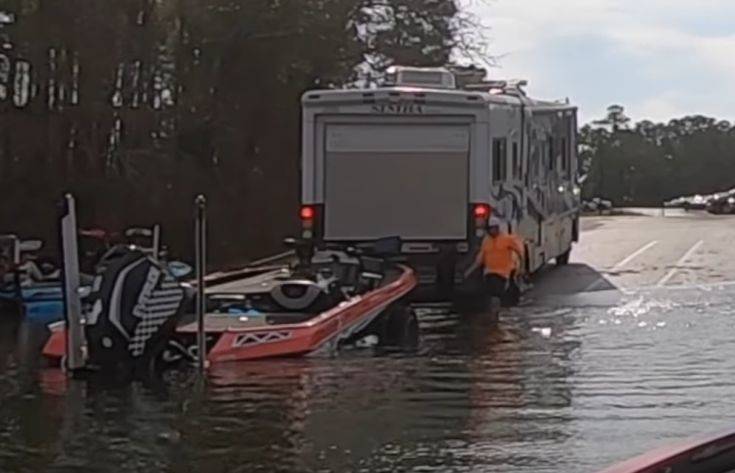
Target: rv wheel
[401,328]
[563,259]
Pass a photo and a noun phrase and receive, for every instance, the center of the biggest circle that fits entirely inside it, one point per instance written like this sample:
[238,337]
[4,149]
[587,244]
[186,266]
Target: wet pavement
[611,356]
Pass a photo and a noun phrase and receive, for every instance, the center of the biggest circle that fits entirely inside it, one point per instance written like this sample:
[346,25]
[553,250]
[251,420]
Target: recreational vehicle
[430,157]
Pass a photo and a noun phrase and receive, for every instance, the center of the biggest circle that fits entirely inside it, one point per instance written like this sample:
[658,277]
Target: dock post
[71,284]
[201,263]
[157,242]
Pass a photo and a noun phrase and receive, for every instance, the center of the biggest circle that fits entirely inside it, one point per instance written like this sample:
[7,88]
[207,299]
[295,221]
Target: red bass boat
[708,454]
[333,296]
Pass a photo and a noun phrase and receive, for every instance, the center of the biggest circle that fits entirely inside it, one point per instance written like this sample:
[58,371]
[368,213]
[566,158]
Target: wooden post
[72,299]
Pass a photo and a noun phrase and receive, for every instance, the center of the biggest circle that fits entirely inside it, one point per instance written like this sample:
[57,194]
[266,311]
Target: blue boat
[24,284]
[39,294]
[43,300]
[47,311]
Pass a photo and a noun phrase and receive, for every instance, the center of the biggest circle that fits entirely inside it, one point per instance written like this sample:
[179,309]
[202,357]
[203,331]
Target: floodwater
[557,386]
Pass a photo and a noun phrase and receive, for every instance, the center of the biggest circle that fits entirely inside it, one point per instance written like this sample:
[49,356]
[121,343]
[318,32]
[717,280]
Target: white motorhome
[430,157]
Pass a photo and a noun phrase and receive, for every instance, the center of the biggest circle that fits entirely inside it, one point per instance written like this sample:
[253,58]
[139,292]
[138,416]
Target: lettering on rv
[398,108]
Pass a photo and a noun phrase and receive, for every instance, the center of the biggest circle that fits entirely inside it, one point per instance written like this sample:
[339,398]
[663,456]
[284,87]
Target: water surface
[567,385]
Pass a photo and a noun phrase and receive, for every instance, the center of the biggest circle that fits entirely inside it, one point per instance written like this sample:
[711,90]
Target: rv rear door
[407,180]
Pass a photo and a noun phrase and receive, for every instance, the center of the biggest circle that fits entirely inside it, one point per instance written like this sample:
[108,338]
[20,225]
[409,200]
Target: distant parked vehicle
[597,204]
[718,203]
[694,202]
[722,204]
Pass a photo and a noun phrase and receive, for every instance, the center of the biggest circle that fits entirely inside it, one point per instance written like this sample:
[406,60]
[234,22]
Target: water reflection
[550,388]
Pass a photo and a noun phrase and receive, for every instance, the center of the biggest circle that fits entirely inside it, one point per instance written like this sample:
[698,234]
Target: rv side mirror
[390,246]
[31,245]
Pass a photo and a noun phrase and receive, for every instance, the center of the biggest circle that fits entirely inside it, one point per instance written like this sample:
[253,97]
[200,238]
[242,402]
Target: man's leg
[512,296]
[495,287]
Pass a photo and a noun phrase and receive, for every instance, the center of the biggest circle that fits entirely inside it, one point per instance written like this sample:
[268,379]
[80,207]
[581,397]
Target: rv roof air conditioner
[423,77]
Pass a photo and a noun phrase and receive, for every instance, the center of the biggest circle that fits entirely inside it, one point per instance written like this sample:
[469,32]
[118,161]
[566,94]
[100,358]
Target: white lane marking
[634,255]
[705,286]
[621,264]
[680,263]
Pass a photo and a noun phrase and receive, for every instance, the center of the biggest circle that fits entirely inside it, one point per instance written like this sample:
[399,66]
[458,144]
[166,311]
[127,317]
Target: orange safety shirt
[498,254]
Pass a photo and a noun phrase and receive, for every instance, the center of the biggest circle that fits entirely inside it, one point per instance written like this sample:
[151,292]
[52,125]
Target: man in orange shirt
[497,256]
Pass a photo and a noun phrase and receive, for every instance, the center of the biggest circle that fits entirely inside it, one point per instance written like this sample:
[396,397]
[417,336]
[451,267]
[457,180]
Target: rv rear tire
[563,259]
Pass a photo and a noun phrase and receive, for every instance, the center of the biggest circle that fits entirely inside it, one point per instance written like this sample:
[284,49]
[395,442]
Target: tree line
[647,163]
[136,106]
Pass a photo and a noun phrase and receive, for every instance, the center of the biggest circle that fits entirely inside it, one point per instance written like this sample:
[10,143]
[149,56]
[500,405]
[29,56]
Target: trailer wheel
[401,329]
[563,259]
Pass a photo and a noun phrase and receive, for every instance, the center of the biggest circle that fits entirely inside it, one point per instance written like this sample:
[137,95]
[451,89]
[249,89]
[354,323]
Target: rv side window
[565,156]
[517,167]
[537,159]
[500,159]
[552,154]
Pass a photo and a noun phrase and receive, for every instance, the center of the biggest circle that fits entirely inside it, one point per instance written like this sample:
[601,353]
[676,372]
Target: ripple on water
[551,388]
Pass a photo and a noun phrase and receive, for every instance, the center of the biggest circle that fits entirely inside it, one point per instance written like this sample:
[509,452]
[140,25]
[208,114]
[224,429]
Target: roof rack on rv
[466,75]
[513,87]
[469,78]
[472,78]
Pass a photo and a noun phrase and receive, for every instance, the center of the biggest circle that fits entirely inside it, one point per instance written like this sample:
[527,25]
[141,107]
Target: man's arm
[476,263]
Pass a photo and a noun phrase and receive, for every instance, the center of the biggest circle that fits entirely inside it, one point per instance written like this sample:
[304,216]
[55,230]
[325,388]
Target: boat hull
[283,340]
[709,454]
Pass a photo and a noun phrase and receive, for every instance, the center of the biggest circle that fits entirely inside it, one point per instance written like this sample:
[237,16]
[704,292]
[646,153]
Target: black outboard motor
[134,308]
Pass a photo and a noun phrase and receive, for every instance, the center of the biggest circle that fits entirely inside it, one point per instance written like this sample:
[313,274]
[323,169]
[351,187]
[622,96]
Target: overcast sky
[659,58]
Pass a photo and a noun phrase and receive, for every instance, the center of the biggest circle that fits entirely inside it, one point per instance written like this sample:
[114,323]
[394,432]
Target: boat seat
[344,268]
[301,295]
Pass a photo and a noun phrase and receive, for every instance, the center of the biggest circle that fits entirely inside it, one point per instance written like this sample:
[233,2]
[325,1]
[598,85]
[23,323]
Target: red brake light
[307,213]
[482,211]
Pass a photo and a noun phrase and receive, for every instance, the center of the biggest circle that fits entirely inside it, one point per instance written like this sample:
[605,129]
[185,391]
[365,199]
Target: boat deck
[218,323]
[252,285]
[249,285]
